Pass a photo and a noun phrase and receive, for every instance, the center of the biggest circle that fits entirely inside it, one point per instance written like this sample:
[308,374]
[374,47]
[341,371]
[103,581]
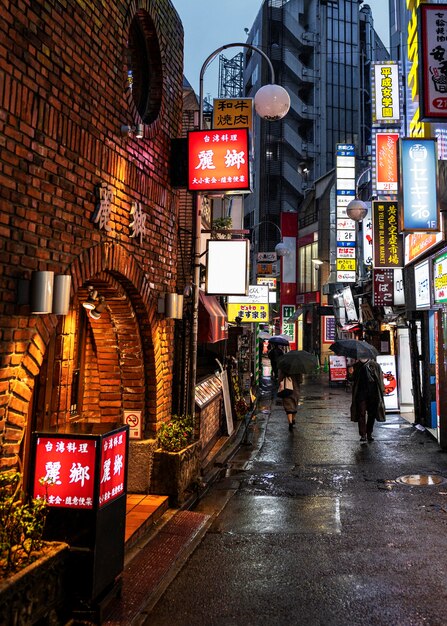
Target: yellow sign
[248,312]
[346,264]
[233,113]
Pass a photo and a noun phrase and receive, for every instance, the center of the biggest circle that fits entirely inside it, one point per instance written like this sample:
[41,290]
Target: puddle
[394,425]
[421,479]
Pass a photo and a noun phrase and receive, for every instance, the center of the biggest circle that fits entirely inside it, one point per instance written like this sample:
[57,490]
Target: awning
[350,328]
[213,322]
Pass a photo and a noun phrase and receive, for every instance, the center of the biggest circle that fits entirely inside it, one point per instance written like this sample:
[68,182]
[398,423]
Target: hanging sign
[218,160]
[385,87]
[418,170]
[386,163]
[383,287]
[440,279]
[387,241]
[233,113]
[346,228]
[433,62]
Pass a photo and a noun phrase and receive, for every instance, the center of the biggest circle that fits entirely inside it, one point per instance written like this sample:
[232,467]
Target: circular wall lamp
[281,249]
[95,313]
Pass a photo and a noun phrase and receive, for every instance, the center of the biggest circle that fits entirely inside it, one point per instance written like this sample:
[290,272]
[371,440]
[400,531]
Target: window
[307,271]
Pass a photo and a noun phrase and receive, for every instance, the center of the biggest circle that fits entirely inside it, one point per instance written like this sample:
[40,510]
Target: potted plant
[177,460]
[31,570]
[219,224]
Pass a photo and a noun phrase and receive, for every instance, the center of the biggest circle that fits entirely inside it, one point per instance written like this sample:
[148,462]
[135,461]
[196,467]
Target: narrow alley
[315,528]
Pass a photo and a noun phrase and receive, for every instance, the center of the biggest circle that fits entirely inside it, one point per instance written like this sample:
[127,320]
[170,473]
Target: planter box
[174,473]
[37,593]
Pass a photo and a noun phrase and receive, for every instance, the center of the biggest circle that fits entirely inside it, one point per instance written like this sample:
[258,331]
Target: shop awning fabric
[213,321]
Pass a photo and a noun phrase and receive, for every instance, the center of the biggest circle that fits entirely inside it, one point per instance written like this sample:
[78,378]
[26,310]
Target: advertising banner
[387,241]
[252,308]
[233,113]
[385,86]
[388,365]
[419,171]
[386,163]
[346,228]
[337,368]
[218,160]
[433,62]
[440,279]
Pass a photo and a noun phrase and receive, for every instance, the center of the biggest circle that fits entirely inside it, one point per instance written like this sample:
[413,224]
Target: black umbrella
[297,362]
[280,340]
[354,349]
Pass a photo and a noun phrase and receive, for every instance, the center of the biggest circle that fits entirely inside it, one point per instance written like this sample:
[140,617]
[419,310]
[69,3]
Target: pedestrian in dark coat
[367,397]
[290,403]
[273,354]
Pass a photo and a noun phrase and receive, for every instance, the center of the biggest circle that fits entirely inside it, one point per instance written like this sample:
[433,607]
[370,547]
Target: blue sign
[418,167]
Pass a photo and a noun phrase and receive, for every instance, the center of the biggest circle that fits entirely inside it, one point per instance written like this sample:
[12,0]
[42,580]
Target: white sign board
[133,420]
[422,285]
[257,294]
[388,364]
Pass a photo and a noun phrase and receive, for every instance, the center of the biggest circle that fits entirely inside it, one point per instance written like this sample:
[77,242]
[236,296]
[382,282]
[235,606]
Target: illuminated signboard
[433,61]
[218,160]
[385,85]
[233,113]
[440,279]
[252,308]
[66,467]
[386,163]
[387,241]
[383,282]
[418,169]
[346,231]
[422,285]
[79,472]
[112,466]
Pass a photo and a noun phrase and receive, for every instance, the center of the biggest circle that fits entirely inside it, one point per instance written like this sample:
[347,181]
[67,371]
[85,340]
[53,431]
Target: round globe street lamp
[356,210]
[272,102]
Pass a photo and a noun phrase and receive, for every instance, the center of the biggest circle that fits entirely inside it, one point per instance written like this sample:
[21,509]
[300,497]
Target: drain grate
[421,479]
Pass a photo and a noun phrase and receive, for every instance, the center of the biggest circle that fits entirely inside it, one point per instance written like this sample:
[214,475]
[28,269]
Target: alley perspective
[314,528]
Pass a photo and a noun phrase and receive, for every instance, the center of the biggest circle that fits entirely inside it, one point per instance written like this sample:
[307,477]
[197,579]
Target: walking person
[367,397]
[273,354]
[290,401]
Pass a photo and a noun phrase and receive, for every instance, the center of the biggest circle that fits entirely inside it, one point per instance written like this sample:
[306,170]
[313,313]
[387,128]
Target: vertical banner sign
[385,88]
[113,466]
[422,285]
[386,163]
[388,365]
[346,229]
[387,241]
[288,311]
[433,62]
[218,160]
[383,287]
[440,279]
[367,231]
[418,170]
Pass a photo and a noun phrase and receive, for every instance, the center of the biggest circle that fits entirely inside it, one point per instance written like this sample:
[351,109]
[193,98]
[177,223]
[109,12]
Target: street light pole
[271,102]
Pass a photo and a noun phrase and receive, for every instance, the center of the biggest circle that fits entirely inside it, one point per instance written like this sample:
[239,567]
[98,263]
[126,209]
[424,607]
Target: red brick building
[83,197]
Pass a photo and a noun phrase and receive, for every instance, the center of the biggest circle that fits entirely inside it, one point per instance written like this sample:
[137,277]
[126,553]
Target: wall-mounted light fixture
[46,293]
[95,303]
[136,131]
[99,308]
[171,305]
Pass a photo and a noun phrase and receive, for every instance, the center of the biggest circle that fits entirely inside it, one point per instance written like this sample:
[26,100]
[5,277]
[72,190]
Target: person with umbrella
[275,351]
[292,366]
[367,385]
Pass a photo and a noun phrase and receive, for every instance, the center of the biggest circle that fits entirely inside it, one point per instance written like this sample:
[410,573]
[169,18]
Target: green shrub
[177,433]
[21,524]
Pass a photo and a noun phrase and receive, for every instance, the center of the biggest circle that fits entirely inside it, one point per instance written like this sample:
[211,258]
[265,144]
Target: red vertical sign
[112,467]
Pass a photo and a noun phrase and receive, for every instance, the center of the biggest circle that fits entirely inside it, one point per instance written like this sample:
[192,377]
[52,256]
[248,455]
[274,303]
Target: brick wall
[64,95]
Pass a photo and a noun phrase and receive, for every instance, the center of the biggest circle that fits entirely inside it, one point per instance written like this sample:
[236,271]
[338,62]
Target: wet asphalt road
[311,527]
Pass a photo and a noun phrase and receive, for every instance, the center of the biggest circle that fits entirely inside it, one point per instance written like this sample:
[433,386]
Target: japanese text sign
[113,466]
[418,165]
[386,163]
[387,241]
[346,231]
[383,287]
[433,61]
[233,113]
[422,285]
[337,368]
[218,160]
[288,328]
[66,467]
[440,279]
[386,106]
[252,308]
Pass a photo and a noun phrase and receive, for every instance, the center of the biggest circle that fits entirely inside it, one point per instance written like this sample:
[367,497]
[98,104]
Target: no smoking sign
[133,420]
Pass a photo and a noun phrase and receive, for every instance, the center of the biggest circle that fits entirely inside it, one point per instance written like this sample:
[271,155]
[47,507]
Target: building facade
[91,97]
